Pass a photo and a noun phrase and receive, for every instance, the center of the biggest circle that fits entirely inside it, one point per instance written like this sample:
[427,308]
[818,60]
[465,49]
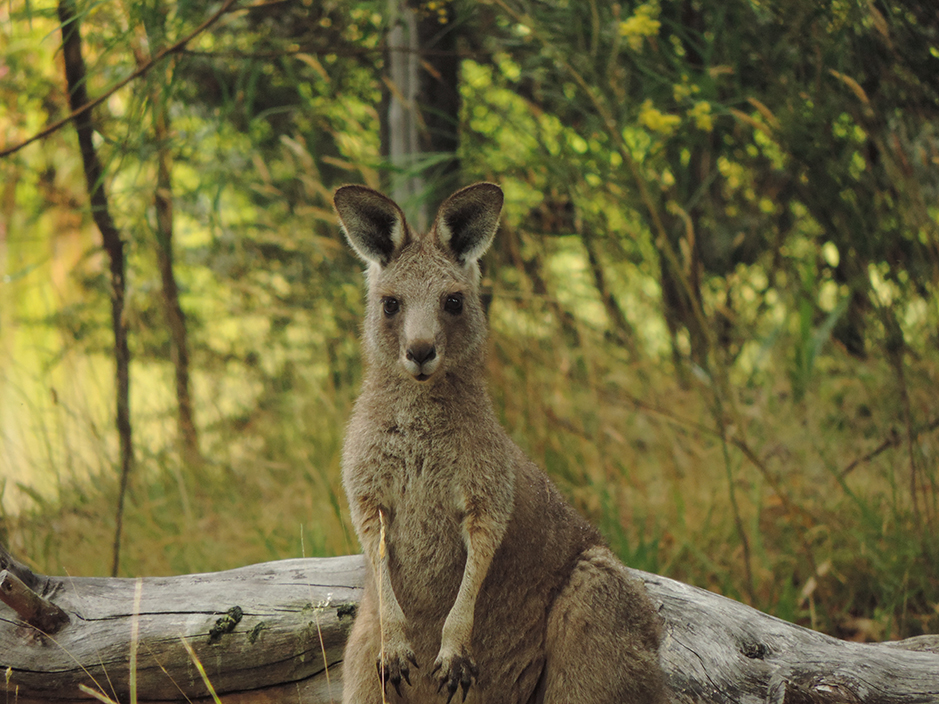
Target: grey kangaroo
[479,575]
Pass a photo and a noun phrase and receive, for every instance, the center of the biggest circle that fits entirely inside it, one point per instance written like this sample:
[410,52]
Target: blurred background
[714,296]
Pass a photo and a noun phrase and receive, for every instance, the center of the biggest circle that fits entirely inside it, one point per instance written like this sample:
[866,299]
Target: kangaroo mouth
[422,372]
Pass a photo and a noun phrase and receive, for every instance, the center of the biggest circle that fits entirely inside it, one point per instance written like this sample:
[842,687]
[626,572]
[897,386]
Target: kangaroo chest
[417,482]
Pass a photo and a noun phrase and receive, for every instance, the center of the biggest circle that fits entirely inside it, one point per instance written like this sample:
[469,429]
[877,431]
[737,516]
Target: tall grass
[791,522]
[799,504]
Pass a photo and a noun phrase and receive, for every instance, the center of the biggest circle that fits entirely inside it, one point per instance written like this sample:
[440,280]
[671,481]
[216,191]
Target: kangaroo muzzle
[421,359]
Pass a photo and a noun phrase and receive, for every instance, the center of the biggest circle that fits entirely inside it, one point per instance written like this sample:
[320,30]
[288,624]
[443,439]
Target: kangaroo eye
[390,305]
[454,303]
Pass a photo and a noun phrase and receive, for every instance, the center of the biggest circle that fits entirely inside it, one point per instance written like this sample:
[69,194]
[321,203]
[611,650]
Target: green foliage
[714,315]
[811,339]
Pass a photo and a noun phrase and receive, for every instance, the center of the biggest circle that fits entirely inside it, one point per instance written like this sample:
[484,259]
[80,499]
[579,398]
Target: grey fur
[488,583]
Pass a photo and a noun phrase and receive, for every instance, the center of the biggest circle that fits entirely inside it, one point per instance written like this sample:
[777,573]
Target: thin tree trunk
[439,97]
[75,75]
[187,434]
[175,318]
[622,331]
[895,347]
[532,268]
[403,116]
[188,437]
[681,287]
[423,107]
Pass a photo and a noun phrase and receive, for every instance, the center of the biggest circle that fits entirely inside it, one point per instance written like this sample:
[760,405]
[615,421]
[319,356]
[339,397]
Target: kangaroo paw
[393,667]
[455,671]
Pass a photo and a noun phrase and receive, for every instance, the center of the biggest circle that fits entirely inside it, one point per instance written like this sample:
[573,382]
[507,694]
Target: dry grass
[766,502]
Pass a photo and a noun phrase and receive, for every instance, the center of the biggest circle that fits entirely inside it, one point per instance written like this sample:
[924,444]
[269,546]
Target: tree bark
[187,434]
[76,78]
[439,96]
[276,631]
[175,318]
[403,117]
[423,106]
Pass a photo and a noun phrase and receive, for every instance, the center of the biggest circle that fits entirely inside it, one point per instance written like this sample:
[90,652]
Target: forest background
[714,298]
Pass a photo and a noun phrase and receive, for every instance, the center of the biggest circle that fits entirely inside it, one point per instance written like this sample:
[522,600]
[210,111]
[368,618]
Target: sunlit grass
[642,457]
[810,535]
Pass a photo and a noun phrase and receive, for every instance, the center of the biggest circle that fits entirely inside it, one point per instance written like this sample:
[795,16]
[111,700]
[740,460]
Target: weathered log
[275,632]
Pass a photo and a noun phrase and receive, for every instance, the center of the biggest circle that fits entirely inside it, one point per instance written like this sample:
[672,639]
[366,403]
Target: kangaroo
[479,575]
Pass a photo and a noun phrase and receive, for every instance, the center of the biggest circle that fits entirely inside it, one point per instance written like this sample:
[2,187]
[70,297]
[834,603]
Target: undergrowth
[800,507]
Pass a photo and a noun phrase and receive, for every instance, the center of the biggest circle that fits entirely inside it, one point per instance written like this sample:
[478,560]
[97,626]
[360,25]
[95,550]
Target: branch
[892,440]
[29,606]
[378,50]
[141,71]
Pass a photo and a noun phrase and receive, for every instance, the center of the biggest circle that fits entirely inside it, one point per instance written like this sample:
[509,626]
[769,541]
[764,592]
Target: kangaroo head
[424,317]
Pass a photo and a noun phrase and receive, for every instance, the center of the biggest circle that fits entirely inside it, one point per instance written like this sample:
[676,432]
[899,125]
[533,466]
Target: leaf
[823,332]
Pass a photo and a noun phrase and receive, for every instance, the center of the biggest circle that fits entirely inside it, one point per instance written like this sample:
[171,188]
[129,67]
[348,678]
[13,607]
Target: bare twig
[378,50]
[894,439]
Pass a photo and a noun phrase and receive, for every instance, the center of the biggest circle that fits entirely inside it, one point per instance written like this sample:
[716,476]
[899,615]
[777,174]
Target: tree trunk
[147,37]
[621,331]
[75,75]
[423,107]
[438,97]
[187,435]
[275,632]
[403,147]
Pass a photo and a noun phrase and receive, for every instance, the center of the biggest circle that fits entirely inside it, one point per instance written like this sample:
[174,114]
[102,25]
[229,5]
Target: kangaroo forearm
[458,628]
[372,531]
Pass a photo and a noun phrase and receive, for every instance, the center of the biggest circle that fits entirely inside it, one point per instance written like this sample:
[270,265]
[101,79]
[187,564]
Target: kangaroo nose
[421,352]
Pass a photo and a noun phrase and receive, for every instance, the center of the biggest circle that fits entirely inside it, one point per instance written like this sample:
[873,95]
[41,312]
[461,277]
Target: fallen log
[275,632]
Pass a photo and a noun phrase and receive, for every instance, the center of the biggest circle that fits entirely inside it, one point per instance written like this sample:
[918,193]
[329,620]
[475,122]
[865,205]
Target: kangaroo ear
[467,221]
[374,225]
